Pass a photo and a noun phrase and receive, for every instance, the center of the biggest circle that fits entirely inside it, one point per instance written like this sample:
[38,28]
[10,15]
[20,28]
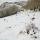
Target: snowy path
[12,25]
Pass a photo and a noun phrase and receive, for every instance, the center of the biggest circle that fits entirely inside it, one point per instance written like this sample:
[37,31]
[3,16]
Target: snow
[1,1]
[11,26]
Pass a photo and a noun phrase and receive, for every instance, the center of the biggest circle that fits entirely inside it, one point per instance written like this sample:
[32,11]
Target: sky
[1,1]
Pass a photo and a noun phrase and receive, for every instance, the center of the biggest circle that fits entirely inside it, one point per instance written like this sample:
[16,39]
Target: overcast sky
[1,1]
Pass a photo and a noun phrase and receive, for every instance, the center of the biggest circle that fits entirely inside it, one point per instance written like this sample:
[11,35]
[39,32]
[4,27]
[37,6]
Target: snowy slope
[14,27]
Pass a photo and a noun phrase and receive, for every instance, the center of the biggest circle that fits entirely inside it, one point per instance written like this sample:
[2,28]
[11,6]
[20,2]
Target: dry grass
[33,4]
[8,11]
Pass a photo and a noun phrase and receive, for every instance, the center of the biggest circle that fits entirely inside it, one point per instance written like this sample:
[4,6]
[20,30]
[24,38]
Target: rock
[32,5]
[8,8]
[8,11]
[6,4]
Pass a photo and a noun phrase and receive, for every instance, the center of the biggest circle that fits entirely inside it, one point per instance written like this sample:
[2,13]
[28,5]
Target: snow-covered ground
[14,27]
[2,1]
